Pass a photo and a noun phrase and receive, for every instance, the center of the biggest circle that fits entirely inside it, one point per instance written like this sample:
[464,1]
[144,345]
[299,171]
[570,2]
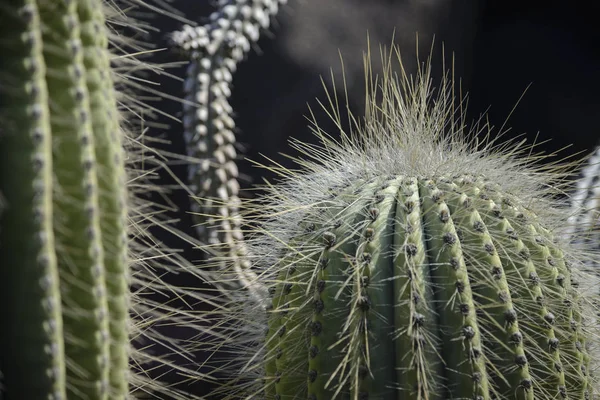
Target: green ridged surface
[425,289]
[63,235]
[112,188]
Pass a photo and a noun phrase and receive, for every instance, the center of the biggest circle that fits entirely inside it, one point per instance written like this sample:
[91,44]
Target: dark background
[500,48]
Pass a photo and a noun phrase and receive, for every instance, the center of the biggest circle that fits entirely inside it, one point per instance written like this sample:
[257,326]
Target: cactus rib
[112,189]
[27,232]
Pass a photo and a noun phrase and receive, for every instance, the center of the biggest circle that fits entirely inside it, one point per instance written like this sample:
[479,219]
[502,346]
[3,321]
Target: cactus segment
[465,374]
[494,305]
[112,188]
[76,213]
[418,368]
[53,28]
[552,331]
[372,351]
[73,229]
[424,289]
[32,325]
[215,50]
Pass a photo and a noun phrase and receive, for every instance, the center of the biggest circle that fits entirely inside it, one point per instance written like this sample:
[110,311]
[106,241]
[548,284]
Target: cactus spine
[410,261]
[68,227]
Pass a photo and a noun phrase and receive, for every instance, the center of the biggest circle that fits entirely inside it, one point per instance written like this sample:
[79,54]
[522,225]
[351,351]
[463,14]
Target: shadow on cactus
[413,258]
[87,313]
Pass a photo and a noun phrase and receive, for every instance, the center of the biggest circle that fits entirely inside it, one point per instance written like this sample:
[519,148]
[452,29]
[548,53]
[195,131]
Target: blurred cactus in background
[214,50]
[585,221]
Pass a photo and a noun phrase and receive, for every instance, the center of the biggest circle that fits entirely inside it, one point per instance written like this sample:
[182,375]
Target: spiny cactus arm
[72,214]
[31,338]
[215,49]
[493,322]
[112,187]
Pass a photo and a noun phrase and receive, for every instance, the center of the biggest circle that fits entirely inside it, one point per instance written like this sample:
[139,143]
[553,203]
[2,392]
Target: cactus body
[408,260]
[425,288]
[69,231]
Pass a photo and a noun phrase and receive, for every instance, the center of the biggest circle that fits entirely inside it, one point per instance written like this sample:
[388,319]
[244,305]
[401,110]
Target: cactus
[585,203]
[411,260]
[215,50]
[77,259]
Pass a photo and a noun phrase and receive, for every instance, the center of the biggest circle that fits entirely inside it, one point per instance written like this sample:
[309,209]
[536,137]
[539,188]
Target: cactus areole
[405,287]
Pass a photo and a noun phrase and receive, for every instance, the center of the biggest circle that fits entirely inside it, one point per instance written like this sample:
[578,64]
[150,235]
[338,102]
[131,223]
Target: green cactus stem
[34,317]
[433,291]
[410,261]
[71,226]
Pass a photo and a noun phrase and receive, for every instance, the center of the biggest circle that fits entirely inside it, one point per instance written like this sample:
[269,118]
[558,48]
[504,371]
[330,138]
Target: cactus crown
[411,260]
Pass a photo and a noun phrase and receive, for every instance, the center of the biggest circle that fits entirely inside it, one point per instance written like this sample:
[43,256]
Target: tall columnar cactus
[74,249]
[215,49]
[585,217]
[411,261]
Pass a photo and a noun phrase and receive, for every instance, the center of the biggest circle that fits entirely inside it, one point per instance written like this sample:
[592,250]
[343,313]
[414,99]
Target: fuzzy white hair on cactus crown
[410,128]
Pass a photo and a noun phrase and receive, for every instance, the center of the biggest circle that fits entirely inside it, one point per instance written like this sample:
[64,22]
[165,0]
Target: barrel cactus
[77,259]
[412,260]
